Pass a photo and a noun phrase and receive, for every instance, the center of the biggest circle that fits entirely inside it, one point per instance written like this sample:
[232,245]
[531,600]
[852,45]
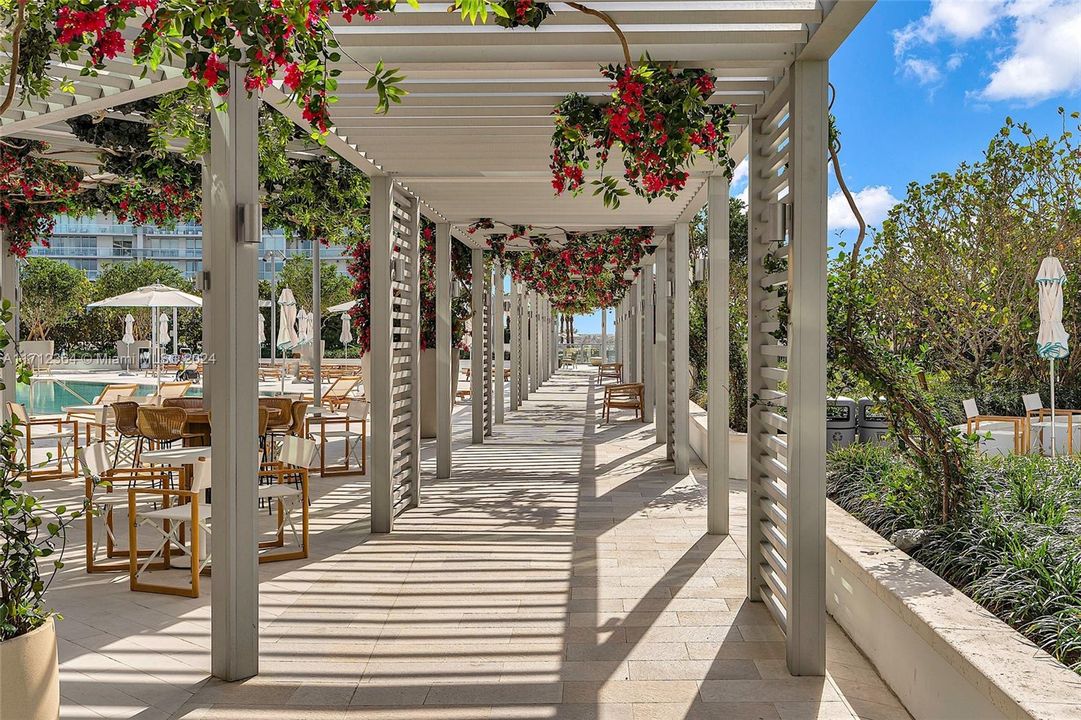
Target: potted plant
[31,545]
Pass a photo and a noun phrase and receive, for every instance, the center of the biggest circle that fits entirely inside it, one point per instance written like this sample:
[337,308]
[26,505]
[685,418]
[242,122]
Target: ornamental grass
[1013,545]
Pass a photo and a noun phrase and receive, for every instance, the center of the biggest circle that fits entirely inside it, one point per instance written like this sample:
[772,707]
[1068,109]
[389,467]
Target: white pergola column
[444,379]
[381,224]
[617,331]
[500,317]
[317,325]
[679,259]
[717,342]
[604,335]
[9,279]
[661,395]
[542,340]
[635,326]
[648,376]
[807,371]
[531,345]
[207,293]
[477,347]
[515,347]
[553,333]
[233,229]
[395,347]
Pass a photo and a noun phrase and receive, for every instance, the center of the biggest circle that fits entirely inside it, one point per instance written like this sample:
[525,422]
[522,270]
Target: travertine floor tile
[562,573]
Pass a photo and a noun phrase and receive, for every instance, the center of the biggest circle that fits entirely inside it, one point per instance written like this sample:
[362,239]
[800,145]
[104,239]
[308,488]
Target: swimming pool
[51,396]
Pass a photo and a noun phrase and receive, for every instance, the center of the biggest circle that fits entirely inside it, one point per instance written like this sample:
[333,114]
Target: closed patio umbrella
[347,332]
[287,324]
[128,339]
[162,342]
[302,327]
[287,327]
[1053,340]
[262,329]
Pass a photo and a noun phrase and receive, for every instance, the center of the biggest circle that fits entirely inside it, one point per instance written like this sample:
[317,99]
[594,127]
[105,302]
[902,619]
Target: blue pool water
[51,396]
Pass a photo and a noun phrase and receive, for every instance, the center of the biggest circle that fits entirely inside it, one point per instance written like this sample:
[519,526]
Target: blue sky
[923,86]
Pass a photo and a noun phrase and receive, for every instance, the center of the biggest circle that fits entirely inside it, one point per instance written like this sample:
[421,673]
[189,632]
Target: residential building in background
[92,243]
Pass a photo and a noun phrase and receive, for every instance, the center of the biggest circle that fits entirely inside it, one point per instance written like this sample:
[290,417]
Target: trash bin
[872,421]
[840,422]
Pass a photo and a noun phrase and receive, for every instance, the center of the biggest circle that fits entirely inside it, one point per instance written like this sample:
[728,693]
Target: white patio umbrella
[262,329]
[287,327]
[347,333]
[128,340]
[1053,342]
[152,296]
[341,307]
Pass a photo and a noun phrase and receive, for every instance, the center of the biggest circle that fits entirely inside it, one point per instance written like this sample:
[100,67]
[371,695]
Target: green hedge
[1014,546]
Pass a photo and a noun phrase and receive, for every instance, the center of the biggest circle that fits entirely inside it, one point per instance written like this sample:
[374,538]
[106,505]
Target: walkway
[562,573]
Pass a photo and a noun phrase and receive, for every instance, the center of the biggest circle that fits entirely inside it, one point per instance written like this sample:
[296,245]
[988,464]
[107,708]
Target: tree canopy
[53,294]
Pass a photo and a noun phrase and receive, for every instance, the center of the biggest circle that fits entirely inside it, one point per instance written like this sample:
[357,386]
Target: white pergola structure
[471,140]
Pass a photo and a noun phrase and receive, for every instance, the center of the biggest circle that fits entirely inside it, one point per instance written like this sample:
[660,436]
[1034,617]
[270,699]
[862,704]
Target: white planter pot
[38,353]
[429,417]
[30,681]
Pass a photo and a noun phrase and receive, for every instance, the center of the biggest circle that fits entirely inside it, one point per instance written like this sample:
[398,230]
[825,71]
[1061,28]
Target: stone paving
[563,572]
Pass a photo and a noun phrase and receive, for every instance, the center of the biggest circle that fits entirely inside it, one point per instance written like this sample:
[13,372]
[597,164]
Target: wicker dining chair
[162,426]
[126,424]
[300,412]
[281,412]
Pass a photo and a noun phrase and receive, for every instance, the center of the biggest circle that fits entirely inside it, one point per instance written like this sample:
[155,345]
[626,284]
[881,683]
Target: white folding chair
[54,432]
[169,522]
[104,496]
[285,482]
[352,429]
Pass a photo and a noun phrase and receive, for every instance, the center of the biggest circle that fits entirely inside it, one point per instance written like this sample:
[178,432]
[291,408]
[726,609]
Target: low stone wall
[944,656]
[737,444]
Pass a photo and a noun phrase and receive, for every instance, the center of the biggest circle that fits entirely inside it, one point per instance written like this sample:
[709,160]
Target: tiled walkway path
[562,573]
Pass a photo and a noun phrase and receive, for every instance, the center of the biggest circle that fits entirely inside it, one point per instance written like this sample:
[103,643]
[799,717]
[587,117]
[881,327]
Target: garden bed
[1014,546]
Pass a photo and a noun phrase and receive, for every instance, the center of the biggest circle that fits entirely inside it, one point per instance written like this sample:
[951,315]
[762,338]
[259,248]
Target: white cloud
[745,195]
[955,19]
[1045,59]
[1035,41]
[925,72]
[874,202]
[740,173]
